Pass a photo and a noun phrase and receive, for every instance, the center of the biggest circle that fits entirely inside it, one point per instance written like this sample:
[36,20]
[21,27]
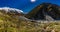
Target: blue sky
[25,5]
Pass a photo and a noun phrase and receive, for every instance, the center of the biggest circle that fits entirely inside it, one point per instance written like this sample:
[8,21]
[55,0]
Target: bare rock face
[49,18]
[45,11]
[24,18]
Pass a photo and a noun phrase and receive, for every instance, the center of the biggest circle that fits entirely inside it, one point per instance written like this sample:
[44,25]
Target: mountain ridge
[45,9]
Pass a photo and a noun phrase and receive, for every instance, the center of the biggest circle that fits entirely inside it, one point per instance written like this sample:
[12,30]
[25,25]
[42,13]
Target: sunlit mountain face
[11,11]
[7,9]
[25,5]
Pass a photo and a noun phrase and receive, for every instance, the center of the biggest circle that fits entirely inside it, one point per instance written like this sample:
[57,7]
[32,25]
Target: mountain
[11,11]
[44,10]
[7,9]
[14,13]
[10,19]
[10,14]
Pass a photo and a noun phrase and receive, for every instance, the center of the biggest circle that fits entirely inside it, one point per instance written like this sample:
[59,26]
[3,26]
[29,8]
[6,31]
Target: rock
[24,18]
[49,18]
[45,11]
[52,31]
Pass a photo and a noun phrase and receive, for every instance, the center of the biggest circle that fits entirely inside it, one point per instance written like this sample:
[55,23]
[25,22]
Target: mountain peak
[45,9]
[7,9]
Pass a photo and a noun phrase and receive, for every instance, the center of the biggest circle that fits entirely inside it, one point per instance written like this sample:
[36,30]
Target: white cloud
[7,9]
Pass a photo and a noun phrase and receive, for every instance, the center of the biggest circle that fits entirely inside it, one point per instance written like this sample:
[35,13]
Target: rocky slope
[44,10]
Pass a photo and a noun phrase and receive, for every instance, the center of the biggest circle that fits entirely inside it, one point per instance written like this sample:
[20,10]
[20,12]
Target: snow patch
[7,9]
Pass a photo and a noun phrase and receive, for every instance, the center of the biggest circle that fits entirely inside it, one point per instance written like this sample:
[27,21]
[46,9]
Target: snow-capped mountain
[8,9]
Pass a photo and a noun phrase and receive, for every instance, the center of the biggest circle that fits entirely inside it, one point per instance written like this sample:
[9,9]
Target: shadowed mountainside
[44,10]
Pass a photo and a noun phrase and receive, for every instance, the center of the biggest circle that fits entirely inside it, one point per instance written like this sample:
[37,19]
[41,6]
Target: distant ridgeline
[45,11]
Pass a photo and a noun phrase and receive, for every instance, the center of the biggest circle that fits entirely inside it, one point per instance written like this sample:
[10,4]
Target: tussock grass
[11,23]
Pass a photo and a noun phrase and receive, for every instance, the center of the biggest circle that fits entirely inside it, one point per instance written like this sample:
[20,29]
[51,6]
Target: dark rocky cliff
[41,11]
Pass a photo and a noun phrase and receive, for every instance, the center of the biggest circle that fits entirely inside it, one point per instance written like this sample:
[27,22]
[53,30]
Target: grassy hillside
[12,23]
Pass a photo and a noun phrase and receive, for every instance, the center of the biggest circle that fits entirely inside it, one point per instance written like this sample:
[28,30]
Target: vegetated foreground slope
[12,23]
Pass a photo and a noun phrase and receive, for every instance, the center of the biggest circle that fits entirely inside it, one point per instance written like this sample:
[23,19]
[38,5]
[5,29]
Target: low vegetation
[11,23]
